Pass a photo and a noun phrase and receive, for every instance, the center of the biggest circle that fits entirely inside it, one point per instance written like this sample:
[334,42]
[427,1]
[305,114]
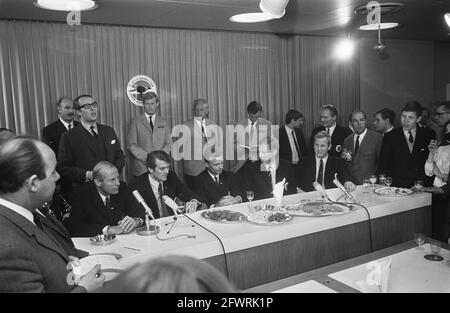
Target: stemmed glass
[388,180]
[373,179]
[366,185]
[435,247]
[418,184]
[420,240]
[250,196]
[381,179]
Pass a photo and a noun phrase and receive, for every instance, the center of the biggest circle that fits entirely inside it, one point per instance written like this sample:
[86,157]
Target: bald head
[5,135]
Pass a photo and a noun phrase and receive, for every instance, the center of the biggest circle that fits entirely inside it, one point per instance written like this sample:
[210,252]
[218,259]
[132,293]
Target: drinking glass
[388,180]
[250,196]
[366,185]
[381,179]
[420,240]
[373,180]
[418,185]
[435,247]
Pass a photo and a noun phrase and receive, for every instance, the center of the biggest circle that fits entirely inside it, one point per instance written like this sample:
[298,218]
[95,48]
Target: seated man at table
[104,206]
[322,167]
[160,182]
[214,185]
[261,176]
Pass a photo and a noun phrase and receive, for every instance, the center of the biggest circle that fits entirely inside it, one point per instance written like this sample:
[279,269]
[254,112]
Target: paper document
[110,266]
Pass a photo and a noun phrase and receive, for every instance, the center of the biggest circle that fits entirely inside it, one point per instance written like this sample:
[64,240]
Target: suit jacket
[209,191]
[260,182]
[365,162]
[242,154]
[141,140]
[307,172]
[30,260]
[89,215]
[285,146]
[337,139]
[76,156]
[173,187]
[398,162]
[51,134]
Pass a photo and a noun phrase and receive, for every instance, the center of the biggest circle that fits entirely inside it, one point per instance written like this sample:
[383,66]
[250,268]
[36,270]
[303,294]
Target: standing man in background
[384,121]
[148,132]
[292,140]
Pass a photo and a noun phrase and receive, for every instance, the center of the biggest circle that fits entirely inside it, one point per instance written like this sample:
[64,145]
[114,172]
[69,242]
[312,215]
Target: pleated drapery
[41,62]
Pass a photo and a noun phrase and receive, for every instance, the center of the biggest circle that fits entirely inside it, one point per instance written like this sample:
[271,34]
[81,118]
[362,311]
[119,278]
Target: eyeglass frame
[89,105]
[441,113]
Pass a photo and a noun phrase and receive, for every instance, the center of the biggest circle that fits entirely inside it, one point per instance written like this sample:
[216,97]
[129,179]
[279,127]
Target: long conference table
[257,254]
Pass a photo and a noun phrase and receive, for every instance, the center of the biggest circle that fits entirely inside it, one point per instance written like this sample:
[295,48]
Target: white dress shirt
[331,129]
[324,166]
[18,209]
[295,156]
[88,127]
[361,137]
[153,117]
[406,133]
[66,125]
[213,176]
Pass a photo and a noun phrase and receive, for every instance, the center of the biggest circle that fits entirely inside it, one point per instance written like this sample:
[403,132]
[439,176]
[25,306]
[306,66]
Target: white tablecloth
[310,286]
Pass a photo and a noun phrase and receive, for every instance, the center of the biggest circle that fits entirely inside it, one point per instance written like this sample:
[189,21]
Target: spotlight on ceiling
[344,49]
[66,5]
[447,18]
[271,9]
[377,26]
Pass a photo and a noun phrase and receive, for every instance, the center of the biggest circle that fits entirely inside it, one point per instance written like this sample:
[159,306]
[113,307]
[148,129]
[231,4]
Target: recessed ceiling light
[447,18]
[252,17]
[377,26]
[66,5]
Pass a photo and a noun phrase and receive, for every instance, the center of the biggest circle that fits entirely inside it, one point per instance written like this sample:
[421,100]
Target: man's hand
[349,186]
[226,200]
[93,280]
[128,224]
[432,147]
[114,230]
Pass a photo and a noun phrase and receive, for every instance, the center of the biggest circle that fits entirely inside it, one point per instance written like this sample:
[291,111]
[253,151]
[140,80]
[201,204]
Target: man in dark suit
[51,134]
[322,167]
[361,149]
[292,139]
[261,176]
[160,182]
[405,149]
[328,116]
[87,144]
[104,206]
[214,185]
[384,121]
[32,258]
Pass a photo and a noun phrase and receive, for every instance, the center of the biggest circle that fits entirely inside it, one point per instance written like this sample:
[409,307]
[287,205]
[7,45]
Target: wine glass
[366,185]
[388,180]
[250,196]
[420,240]
[418,185]
[381,179]
[435,247]
[373,179]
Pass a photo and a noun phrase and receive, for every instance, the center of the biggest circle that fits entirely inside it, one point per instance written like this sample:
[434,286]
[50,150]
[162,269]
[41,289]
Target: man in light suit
[32,258]
[405,149]
[82,147]
[361,149]
[249,133]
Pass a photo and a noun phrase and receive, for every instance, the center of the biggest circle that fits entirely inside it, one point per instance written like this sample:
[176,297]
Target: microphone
[321,191]
[338,184]
[171,204]
[141,200]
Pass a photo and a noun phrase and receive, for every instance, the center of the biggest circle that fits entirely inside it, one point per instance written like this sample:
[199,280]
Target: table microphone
[338,184]
[141,200]
[171,204]
[321,191]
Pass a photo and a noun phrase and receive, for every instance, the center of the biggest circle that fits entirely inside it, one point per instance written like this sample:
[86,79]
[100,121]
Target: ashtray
[102,240]
[147,231]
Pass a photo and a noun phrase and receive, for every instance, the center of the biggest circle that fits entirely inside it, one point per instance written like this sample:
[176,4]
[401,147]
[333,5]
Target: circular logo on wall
[138,86]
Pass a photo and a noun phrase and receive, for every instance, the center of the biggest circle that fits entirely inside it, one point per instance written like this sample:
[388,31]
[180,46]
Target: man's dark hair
[20,158]
[2,129]
[293,115]
[254,107]
[149,96]
[157,154]
[76,101]
[445,104]
[355,112]
[60,100]
[387,114]
[413,106]
[333,111]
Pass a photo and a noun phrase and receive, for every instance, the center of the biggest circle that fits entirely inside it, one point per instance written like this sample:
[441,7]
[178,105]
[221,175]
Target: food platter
[316,209]
[223,216]
[392,191]
[268,217]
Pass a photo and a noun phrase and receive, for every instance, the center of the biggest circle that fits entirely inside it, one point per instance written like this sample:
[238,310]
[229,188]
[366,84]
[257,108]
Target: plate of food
[269,217]
[223,216]
[316,209]
[392,191]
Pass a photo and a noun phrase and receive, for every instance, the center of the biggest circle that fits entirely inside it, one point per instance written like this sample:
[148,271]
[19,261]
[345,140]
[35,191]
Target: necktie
[205,138]
[356,145]
[94,133]
[151,122]
[252,130]
[69,127]
[108,203]
[320,174]
[216,179]
[164,211]
[411,138]
[296,143]
[328,130]
[37,220]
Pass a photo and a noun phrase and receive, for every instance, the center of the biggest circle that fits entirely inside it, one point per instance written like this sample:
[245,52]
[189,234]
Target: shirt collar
[288,129]
[87,126]
[66,125]
[250,122]
[406,132]
[18,209]
[392,127]
[324,159]
[148,116]
[212,175]
[331,128]
[102,196]
[361,136]
[153,182]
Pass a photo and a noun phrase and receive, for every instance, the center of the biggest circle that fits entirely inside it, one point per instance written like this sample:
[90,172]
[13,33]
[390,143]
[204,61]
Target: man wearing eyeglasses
[442,113]
[87,144]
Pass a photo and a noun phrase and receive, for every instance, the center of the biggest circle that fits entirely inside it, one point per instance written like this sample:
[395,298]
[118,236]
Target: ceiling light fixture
[271,9]
[66,5]
[447,18]
[377,26]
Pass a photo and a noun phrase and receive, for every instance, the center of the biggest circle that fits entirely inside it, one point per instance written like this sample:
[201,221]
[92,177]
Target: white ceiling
[419,19]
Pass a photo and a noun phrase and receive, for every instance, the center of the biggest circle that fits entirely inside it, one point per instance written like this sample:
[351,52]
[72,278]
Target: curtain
[41,62]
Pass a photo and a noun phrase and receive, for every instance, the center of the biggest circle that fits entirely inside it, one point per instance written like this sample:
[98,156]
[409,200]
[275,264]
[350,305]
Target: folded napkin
[278,191]
[377,280]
